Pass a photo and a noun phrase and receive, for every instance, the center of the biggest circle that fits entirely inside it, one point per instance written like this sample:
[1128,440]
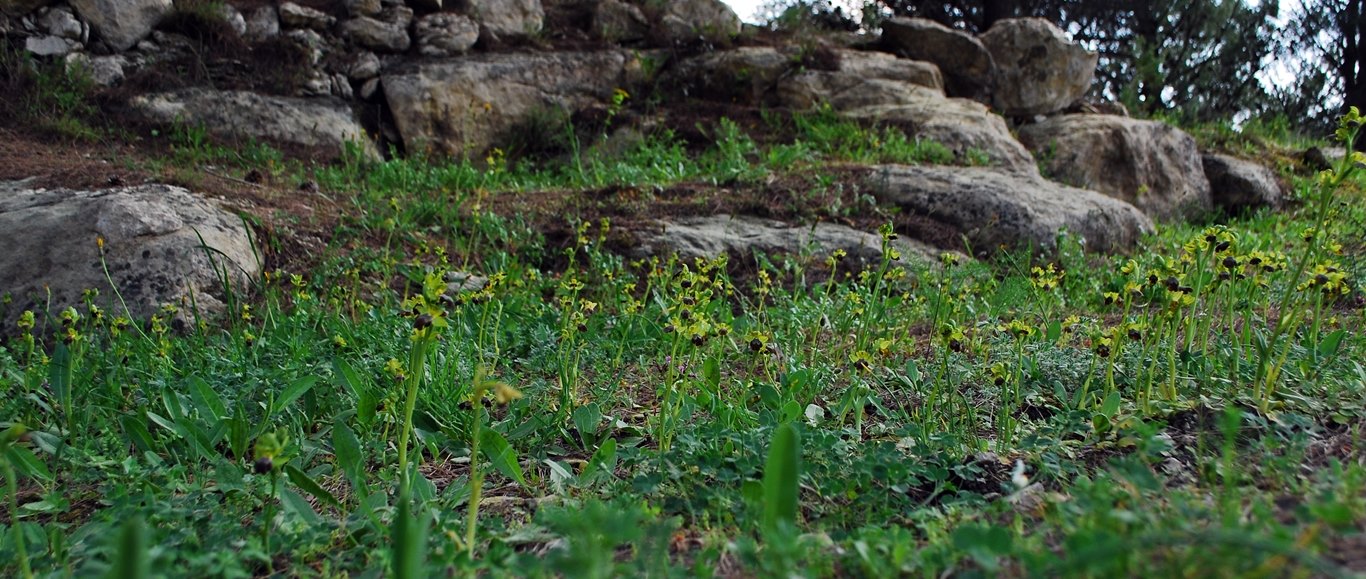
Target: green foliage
[1193,408]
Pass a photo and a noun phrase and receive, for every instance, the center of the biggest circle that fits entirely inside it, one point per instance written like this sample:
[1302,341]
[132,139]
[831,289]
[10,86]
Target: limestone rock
[743,235]
[1149,164]
[366,7]
[508,18]
[965,126]
[618,21]
[122,23]
[747,73]
[445,34]
[262,23]
[311,44]
[50,45]
[1038,69]
[686,20]
[231,15]
[1237,185]
[967,65]
[375,34]
[296,16]
[59,21]
[364,66]
[322,124]
[996,208]
[463,106]
[102,70]
[859,79]
[152,248]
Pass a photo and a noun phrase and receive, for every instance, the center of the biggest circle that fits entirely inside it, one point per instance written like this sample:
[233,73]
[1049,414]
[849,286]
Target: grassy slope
[983,417]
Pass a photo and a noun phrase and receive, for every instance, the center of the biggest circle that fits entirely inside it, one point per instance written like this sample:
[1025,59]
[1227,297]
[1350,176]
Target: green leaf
[205,399]
[131,560]
[349,378]
[502,456]
[346,447]
[711,372]
[1111,406]
[604,461]
[58,372]
[588,418]
[781,473]
[239,433]
[135,429]
[292,393]
[1053,331]
[308,485]
[1331,343]
[26,463]
[294,502]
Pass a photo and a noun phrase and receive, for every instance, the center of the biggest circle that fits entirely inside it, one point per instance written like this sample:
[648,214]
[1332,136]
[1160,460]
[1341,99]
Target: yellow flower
[504,393]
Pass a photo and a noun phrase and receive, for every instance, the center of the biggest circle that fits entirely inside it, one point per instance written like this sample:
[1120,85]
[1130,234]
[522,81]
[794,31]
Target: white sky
[746,9]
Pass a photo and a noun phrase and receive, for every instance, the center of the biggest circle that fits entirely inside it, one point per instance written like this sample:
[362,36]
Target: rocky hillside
[367,79]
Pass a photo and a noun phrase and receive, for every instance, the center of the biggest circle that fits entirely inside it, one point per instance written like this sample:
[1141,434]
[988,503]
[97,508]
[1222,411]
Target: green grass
[1025,415]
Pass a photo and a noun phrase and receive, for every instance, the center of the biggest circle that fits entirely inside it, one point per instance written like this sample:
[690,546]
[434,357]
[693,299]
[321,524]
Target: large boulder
[857,79]
[445,34]
[967,127]
[122,23]
[376,34]
[964,60]
[461,107]
[687,20]
[502,19]
[323,124]
[161,245]
[1039,70]
[743,235]
[1001,209]
[1238,185]
[296,16]
[747,73]
[1149,164]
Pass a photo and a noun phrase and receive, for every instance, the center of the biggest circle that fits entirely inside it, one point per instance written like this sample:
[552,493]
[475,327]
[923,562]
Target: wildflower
[862,360]
[504,393]
[25,322]
[395,369]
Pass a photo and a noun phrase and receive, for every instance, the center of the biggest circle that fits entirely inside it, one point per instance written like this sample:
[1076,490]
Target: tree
[1196,59]
[1323,58]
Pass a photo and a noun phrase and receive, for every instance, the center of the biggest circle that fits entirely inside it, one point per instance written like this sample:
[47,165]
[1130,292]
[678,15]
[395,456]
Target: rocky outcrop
[460,107]
[162,245]
[618,21]
[506,19]
[995,208]
[322,124]
[864,85]
[296,16]
[857,79]
[122,23]
[1039,70]
[375,34]
[1152,165]
[687,20]
[747,73]
[743,235]
[1238,185]
[445,34]
[965,62]
[963,125]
